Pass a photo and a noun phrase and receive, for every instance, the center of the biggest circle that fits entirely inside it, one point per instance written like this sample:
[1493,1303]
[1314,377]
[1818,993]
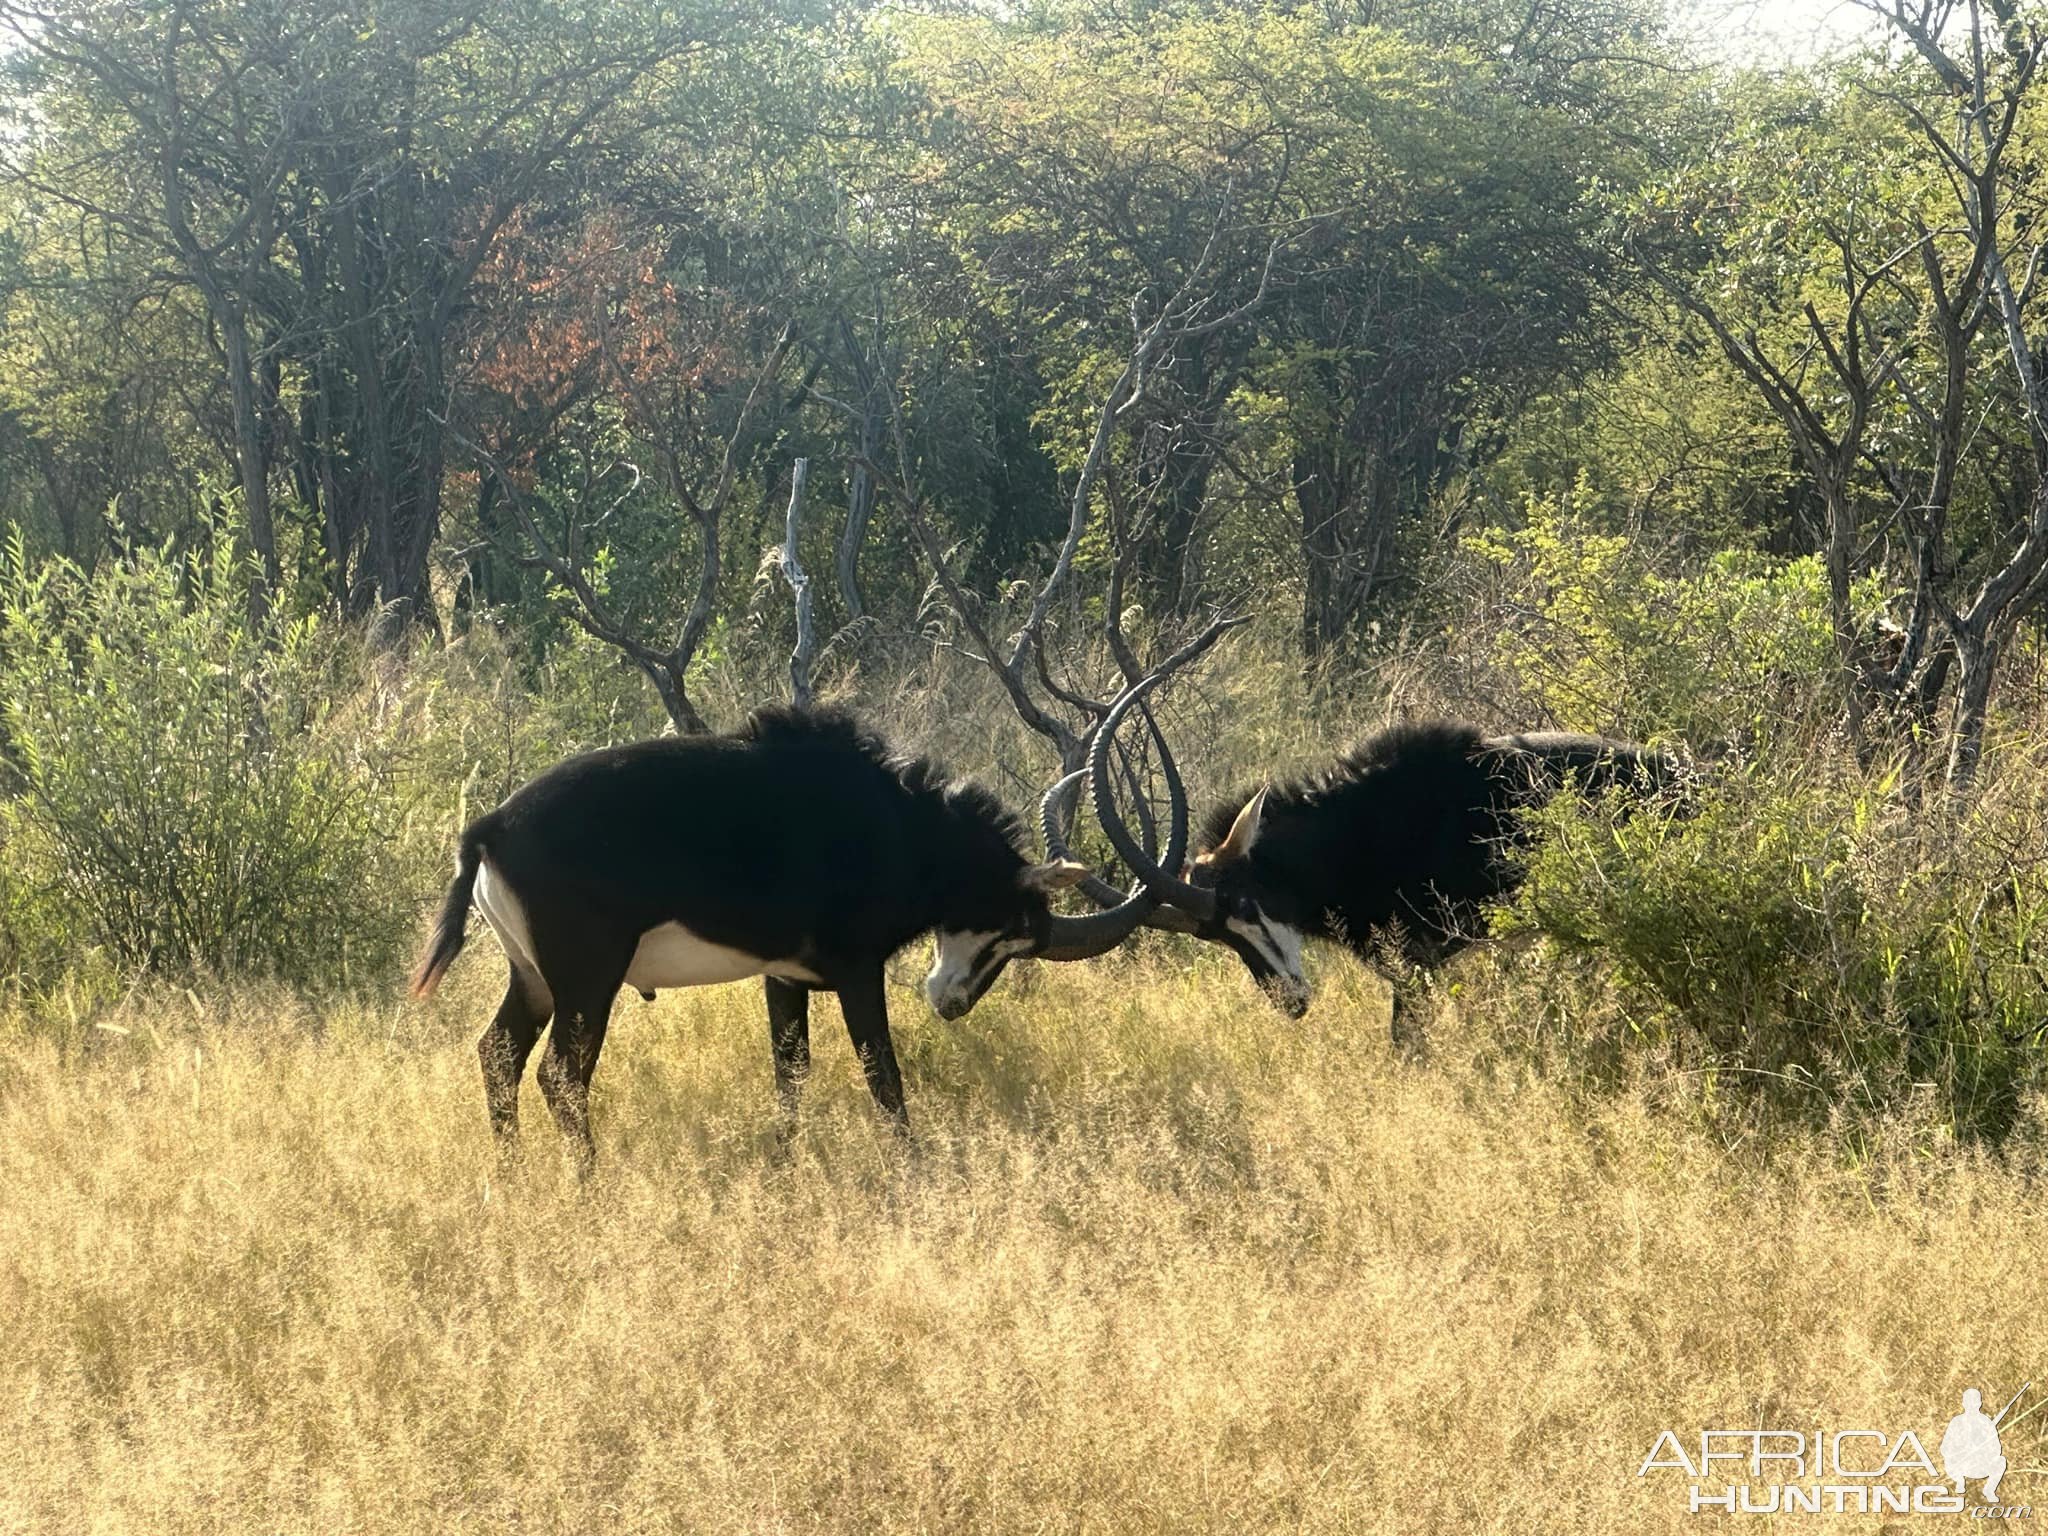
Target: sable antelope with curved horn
[798,849]
[1408,834]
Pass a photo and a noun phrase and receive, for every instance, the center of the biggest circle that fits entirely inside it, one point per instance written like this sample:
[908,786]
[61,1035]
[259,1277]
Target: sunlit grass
[1163,1262]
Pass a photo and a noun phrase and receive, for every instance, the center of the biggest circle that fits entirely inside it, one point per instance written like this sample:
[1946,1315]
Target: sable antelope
[798,849]
[1405,837]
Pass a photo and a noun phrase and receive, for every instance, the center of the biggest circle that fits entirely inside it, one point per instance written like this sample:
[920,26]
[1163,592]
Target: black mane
[836,729]
[1407,744]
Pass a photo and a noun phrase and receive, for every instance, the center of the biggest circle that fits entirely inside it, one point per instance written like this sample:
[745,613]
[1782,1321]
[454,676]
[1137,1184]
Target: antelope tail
[453,926]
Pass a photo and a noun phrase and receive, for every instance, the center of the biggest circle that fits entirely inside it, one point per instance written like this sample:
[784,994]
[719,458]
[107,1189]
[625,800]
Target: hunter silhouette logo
[1842,1471]
[1970,1448]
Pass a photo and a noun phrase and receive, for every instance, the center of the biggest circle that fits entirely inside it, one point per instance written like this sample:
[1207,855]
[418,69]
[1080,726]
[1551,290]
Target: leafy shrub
[1818,937]
[1601,639]
[172,795]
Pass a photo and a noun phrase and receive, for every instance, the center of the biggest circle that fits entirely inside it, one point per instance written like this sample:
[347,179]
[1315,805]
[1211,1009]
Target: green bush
[172,795]
[1813,936]
[1734,648]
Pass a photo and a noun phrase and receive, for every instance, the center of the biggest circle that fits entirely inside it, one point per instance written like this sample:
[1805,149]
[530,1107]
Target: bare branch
[801,657]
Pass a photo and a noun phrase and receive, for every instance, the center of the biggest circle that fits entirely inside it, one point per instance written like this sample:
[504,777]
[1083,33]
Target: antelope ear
[1053,875]
[1244,832]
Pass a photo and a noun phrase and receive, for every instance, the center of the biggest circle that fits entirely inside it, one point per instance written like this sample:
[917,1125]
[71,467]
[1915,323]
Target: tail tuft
[452,928]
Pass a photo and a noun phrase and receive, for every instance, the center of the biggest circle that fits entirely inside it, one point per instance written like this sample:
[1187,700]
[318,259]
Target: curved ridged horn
[1096,933]
[1083,938]
[1160,885]
[1055,808]
[1057,805]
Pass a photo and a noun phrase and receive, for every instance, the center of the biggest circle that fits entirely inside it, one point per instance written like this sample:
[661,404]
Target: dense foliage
[399,396]
[176,800]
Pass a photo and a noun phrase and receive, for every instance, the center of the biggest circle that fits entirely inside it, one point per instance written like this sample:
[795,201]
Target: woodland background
[395,398]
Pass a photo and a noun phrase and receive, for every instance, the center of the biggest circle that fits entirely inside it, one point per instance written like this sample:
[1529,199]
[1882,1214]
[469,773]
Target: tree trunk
[1344,528]
[1180,589]
[373,413]
[803,656]
[249,455]
[1977,670]
[429,469]
[860,506]
[669,683]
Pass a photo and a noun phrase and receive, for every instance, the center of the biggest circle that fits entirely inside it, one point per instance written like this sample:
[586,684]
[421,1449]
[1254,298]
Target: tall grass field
[1159,1261]
[1739,1128]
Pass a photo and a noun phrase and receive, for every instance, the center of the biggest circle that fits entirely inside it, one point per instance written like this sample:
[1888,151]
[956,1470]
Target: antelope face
[1271,951]
[970,953]
[965,964]
[1269,946]
[1255,915]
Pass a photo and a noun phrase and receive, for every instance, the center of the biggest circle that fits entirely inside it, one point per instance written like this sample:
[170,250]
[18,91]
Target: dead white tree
[803,654]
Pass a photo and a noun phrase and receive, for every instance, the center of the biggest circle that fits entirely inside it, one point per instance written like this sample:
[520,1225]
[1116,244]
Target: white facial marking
[1279,945]
[959,961]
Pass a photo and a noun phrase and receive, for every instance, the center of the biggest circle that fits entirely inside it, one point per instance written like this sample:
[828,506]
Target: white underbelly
[673,956]
[668,956]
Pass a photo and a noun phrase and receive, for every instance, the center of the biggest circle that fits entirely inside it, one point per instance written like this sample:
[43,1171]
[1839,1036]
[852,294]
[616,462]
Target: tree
[1876,310]
[1443,250]
[329,179]
[621,365]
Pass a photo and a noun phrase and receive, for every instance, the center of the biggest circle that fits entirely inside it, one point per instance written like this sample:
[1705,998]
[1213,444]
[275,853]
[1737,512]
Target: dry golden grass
[1166,1263]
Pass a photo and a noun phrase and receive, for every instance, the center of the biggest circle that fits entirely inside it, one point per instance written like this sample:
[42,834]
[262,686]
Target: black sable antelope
[798,849]
[1403,839]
